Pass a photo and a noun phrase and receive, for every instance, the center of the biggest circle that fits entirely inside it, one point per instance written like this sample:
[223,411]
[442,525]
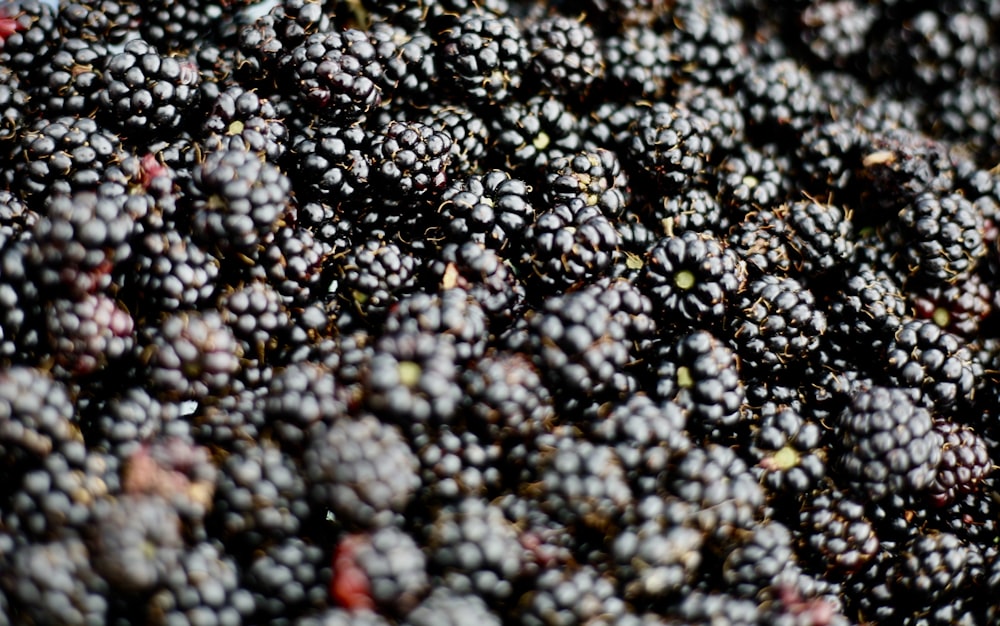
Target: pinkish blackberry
[836,535]
[473,548]
[887,444]
[362,470]
[147,93]
[595,176]
[89,334]
[237,201]
[790,451]
[692,277]
[388,564]
[486,56]
[700,373]
[960,308]
[637,63]
[63,155]
[670,146]
[572,242]
[566,56]
[965,462]
[924,356]
[942,238]
[190,355]
[338,75]
[775,324]
[492,209]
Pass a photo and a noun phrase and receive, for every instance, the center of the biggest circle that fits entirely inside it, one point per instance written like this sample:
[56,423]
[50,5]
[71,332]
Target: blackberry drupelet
[566,58]
[691,278]
[362,470]
[887,444]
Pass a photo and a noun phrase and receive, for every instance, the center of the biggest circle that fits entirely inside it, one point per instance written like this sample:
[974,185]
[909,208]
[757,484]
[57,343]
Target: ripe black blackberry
[411,67]
[29,35]
[174,26]
[866,311]
[572,242]
[237,201]
[409,161]
[121,422]
[696,209]
[595,176]
[823,235]
[71,82]
[456,463]
[566,55]
[332,164]
[700,373]
[450,314]
[362,470]
[486,56]
[527,135]
[887,444]
[147,93]
[190,355]
[790,451]
[646,435]
[835,533]
[670,146]
[63,155]
[109,21]
[206,585]
[473,549]
[489,278]
[338,75]
[706,44]
[637,63]
[924,356]
[780,100]
[966,114]
[749,179]
[764,558]
[288,579]
[391,565]
[775,324]
[896,167]
[242,118]
[371,276]
[630,307]
[294,261]
[168,272]
[470,136]
[936,568]
[725,116]
[965,462]
[299,400]
[836,32]
[491,208]
[941,238]
[447,607]
[581,594]
[691,277]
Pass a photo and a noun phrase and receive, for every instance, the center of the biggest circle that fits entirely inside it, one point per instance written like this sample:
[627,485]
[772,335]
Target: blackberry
[470,135]
[451,315]
[566,57]
[630,307]
[579,595]
[486,56]
[388,565]
[960,308]
[444,607]
[835,532]
[725,116]
[696,209]
[294,261]
[866,311]
[333,165]
[170,272]
[646,435]
[706,44]
[178,25]
[88,335]
[572,242]
[13,107]
[473,549]
[410,160]
[108,21]
[337,616]
[372,275]
[700,373]
[288,579]
[670,146]
[609,126]
[938,567]
[206,586]
[692,277]
[29,36]
[766,555]
[887,443]
[528,135]
[656,559]
[36,418]
[966,115]
[491,208]
[411,67]
[237,201]
[775,324]
[243,119]
[637,63]
[63,155]
[965,462]
[926,357]
[488,278]
[595,176]
[836,31]
[190,355]
[823,236]
[898,166]
[780,99]
[456,463]
[790,451]
[943,238]
[260,498]
[135,542]
[749,179]
[300,398]
[122,422]
[338,75]
[71,83]
[362,470]
[147,93]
